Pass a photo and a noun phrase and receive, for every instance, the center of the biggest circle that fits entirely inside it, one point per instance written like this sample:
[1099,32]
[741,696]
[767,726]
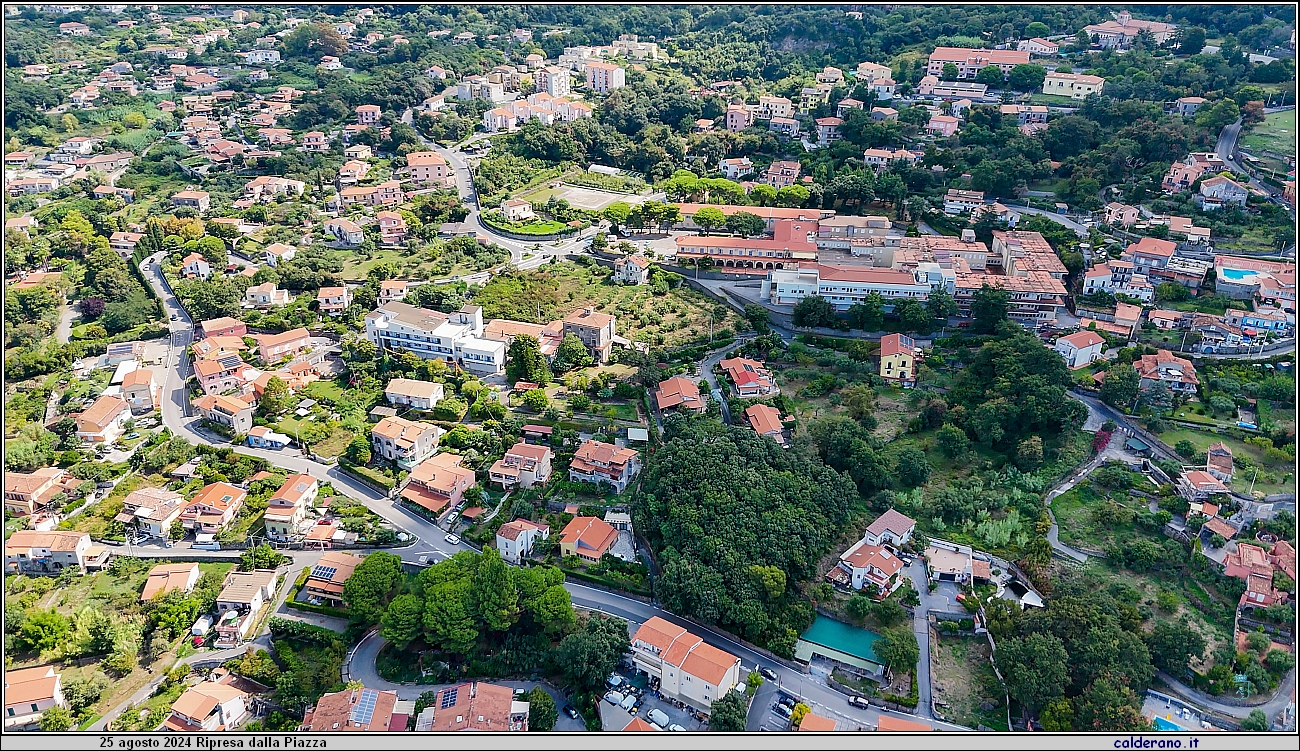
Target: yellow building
[1073,85]
[899,359]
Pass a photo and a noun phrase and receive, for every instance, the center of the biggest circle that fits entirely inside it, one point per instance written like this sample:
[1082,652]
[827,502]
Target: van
[628,703]
[658,717]
[615,698]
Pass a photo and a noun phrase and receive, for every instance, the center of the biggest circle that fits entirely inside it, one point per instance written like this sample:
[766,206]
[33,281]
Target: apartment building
[195,199]
[230,411]
[970,62]
[345,231]
[688,670]
[773,106]
[595,330]
[34,553]
[438,483]
[1120,33]
[272,348]
[596,462]
[430,168]
[738,118]
[455,338]
[404,442]
[843,285]
[523,466]
[288,507]
[604,77]
[1073,85]
[553,80]
[900,359]
[25,494]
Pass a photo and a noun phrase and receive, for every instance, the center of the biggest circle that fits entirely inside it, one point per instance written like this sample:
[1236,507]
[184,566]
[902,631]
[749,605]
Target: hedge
[584,576]
[366,474]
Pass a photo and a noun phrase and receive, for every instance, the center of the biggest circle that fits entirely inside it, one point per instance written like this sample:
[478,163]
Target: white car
[453,539]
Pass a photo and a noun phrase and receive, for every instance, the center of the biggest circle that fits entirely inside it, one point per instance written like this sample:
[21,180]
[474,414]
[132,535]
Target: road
[921,628]
[718,392]
[1271,708]
[1060,219]
[1226,148]
[66,316]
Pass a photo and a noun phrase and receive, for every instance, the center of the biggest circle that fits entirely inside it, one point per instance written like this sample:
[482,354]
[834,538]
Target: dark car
[767,673]
[570,711]
[859,702]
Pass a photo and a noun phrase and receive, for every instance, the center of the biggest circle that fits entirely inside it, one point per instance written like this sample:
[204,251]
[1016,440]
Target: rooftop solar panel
[449,698]
[365,708]
[323,572]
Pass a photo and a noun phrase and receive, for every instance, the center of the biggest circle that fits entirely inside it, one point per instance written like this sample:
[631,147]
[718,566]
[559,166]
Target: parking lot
[647,700]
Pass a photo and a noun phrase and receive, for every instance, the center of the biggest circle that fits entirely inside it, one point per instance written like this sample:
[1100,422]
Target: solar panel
[323,572]
[229,361]
[449,698]
[365,707]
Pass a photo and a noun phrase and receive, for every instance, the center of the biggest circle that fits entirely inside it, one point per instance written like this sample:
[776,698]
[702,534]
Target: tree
[792,195]
[1255,722]
[314,40]
[617,214]
[45,630]
[1033,668]
[1029,454]
[1037,29]
[1109,705]
[1057,716]
[814,311]
[542,713]
[797,714]
[859,400]
[372,582]
[991,76]
[763,194]
[1172,645]
[913,469]
[1185,449]
[988,309]
[869,314]
[495,599]
[448,620]
[1191,41]
[1120,386]
[950,72]
[571,354]
[729,714]
[55,720]
[952,441]
[589,656]
[709,217]
[758,317]
[358,450]
[176,531]
[1026,77]
[745,224]
[403,620]
[275,397]
[525,361]
[260,558]
[898,648]
[536,400]
[940,305]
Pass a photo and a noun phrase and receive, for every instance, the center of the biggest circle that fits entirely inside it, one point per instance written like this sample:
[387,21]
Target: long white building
[456,338]
[845,285]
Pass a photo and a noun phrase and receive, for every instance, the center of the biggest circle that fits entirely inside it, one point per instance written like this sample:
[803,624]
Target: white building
[688,669]
[515,539]
[604,77]
[632,270]
[1080,349]
[455,338]
[421,395]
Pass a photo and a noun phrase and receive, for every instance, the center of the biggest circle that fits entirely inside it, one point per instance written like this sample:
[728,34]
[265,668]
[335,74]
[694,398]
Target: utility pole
[1252,481]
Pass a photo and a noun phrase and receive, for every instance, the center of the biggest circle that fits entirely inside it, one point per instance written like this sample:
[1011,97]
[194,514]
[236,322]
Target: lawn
[962,679]
[1272,478]
[1276,134]
[555,290]
[1073,511]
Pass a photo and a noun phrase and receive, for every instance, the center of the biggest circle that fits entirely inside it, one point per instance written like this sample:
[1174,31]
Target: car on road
[173,316]
[767,673]
[453,539]
[570,711]
[859,702]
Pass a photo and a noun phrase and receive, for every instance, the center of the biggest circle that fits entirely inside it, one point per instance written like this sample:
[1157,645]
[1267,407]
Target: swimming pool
[1163,724]
[1237,274]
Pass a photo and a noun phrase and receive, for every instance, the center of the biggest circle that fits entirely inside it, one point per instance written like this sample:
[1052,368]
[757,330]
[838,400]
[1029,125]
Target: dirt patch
[892,415]
[966,690]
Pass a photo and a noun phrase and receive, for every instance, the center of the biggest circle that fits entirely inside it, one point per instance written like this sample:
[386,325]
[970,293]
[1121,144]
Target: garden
[966,690]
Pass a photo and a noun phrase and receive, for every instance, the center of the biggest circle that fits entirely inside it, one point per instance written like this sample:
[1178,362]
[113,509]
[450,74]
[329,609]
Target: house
[266,295]
[243,593]
[262,437]
[140,391]
[899,359]
[234,413]
[25,494]
[595,330]
[816,724]
[603,78]
[393,290]
[734,169]
[392,228]
[870,567]
[948,562]
[368,114]
[439,483]
[1074,85]
[328,576]
[678,392]
[1121,32]
[196,199]
[634,269]
[784,126]
[1262,320]
[597,462]
[889,724]
[26,224]
[890,528]
[108,191]
[421,395]
[1038,47]
[102,422]
[828,130]
[286,509]
[688,670]
[1271,282]
[195,265]
[1118,214]
[1080,349]
[213,507]
[515,539]
[430,168]
[358,151]
[537,433]
[73,28]
[354,710]
[1219,461]
[478,706]
[943,126]
[970,62]
[333,300]
[781,174]
[222,372]
[766,421]
[1188,105]
[1218,191]
[30,552]
[523,466]
[405,442]
[345,231]
[738,118]
[882,158]
[1198,485]
[124,243]
[588,537]
[267,188]
[1164,367]
[152,510]
[748,377]
[315,141]
[957,201]
[1166,319]
[1183,174]
[169,577]
[29,693]
[517,210]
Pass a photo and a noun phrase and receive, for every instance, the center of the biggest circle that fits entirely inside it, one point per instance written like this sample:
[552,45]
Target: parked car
[782,710]
[676,728]
[658,717]
[767,673]
[786,700]
[859,702]
[131,436]
[570,711]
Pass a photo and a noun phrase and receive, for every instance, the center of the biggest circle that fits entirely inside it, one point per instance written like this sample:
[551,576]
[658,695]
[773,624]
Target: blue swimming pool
[1237,274]
[1163,724]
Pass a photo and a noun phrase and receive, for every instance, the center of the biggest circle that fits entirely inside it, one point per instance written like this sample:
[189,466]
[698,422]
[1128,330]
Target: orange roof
[26,484]
[272,340]
[166,577]
[218,495]
[816,724]
[638,725]
[685,650]
[295,488]
[26,539]
[863,555]
[1082,339]
[896,725]
[891,521]
[764,419]
[199,701]
[102,412]
[333,567]
[512,530]
[588,317]
[423,158]
[678,391]
[30,686]
[896,344]
[590,532]
[333,712]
